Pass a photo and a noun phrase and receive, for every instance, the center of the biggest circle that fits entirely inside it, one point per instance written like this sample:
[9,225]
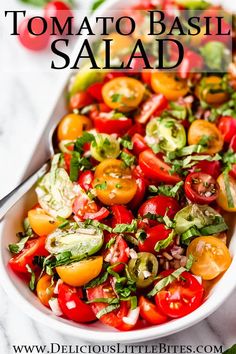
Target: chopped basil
[27,228]
[126,142]
[42,3]
[101,186]
[85,138]
[127,158]
[168,190]
[32,279]
[96,4]
[166,281]
[116,97]
[97,281]
[214,229]
[189,234]
[18,247]
[228,190]
[107,309]
[78,163]
[119,228]
[104,300]
[162,244]
[110,242]
[97,224]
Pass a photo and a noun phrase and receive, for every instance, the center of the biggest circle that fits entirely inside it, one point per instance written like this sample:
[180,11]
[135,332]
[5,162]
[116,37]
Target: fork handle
[12,198]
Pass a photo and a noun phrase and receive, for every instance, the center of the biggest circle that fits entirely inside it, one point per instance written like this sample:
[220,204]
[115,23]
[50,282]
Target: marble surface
[24,101]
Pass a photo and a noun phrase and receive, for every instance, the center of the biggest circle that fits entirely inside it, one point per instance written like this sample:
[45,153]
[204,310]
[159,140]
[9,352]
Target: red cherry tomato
[139,144]
[35,247]
[159,205]
[98,215]
[95,90]
[232,172]
[30,41]
[227,127]
[232,144]
[154,168]
[85,180]
[150,313]
[137,128]
[72,306]
[97,109]
[212,168]
[180,297]
[140,193]
[113,75]
[201,188]
[60,10]
[154,234]
[146,77]
[148,108]
[80,100]
[120,215]
[117,253]
[112,126]
[114,318]
[190,61]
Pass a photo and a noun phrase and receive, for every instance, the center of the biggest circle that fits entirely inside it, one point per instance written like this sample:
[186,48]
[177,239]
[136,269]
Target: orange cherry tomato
[202,128]
[80,273]
[211,91]
[222,199]
[123,93]
[72,126]
[120,186]
[41,223]
[211,257]
[45,289]
[171,86]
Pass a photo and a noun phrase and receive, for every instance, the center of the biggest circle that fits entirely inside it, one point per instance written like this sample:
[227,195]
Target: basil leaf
[104,300]
[32,279]
[119,228]
[213,229]
[28,231]
[42,3]
[97,281]
[85,138]
[189,234]
[164,243]
[227,189]
[107,309]
[126,142]
[18,247]
[127,158]
[166,281]
[231,350]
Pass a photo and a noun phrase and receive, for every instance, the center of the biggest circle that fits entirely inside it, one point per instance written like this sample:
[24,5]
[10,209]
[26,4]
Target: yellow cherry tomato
[72,126]
[120,45]
[119,186]
[80,273]
[211,91]
[41,223]
[222,199]
[45,289]
[211,257]
[167,83]
[123,93]
[200,129]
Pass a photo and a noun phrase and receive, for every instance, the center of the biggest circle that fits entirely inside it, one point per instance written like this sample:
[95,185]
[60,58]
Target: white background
[25,99]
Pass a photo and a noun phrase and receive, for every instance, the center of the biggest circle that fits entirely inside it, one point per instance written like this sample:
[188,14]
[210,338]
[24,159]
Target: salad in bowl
[131,225]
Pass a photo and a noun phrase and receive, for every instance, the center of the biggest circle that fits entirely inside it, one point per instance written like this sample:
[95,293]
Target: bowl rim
[104,336]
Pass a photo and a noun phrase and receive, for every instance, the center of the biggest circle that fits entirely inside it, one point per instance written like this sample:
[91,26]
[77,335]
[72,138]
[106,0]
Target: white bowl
[23,297]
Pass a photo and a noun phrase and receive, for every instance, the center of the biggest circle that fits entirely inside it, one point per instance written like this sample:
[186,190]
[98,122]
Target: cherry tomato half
[120,215]
[117,253]
[154,105]
[35,247]
[45,289]
[80,100]
[211,257]
[171,86]
[212,168]
[201,188]
[41,223]
[115,318]
[85,180]
[227,127]
[181,297]
[72,305]
[112,126]
[154,234]
[72,126]
[139,144]
[150,313]
[154,168]
[159,205]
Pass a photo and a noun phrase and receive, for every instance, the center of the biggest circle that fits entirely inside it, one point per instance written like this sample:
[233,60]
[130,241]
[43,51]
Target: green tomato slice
[195,215]
[105,147]
[84,78]
[56,192]
[79,241]
[143,269]
[167,132]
